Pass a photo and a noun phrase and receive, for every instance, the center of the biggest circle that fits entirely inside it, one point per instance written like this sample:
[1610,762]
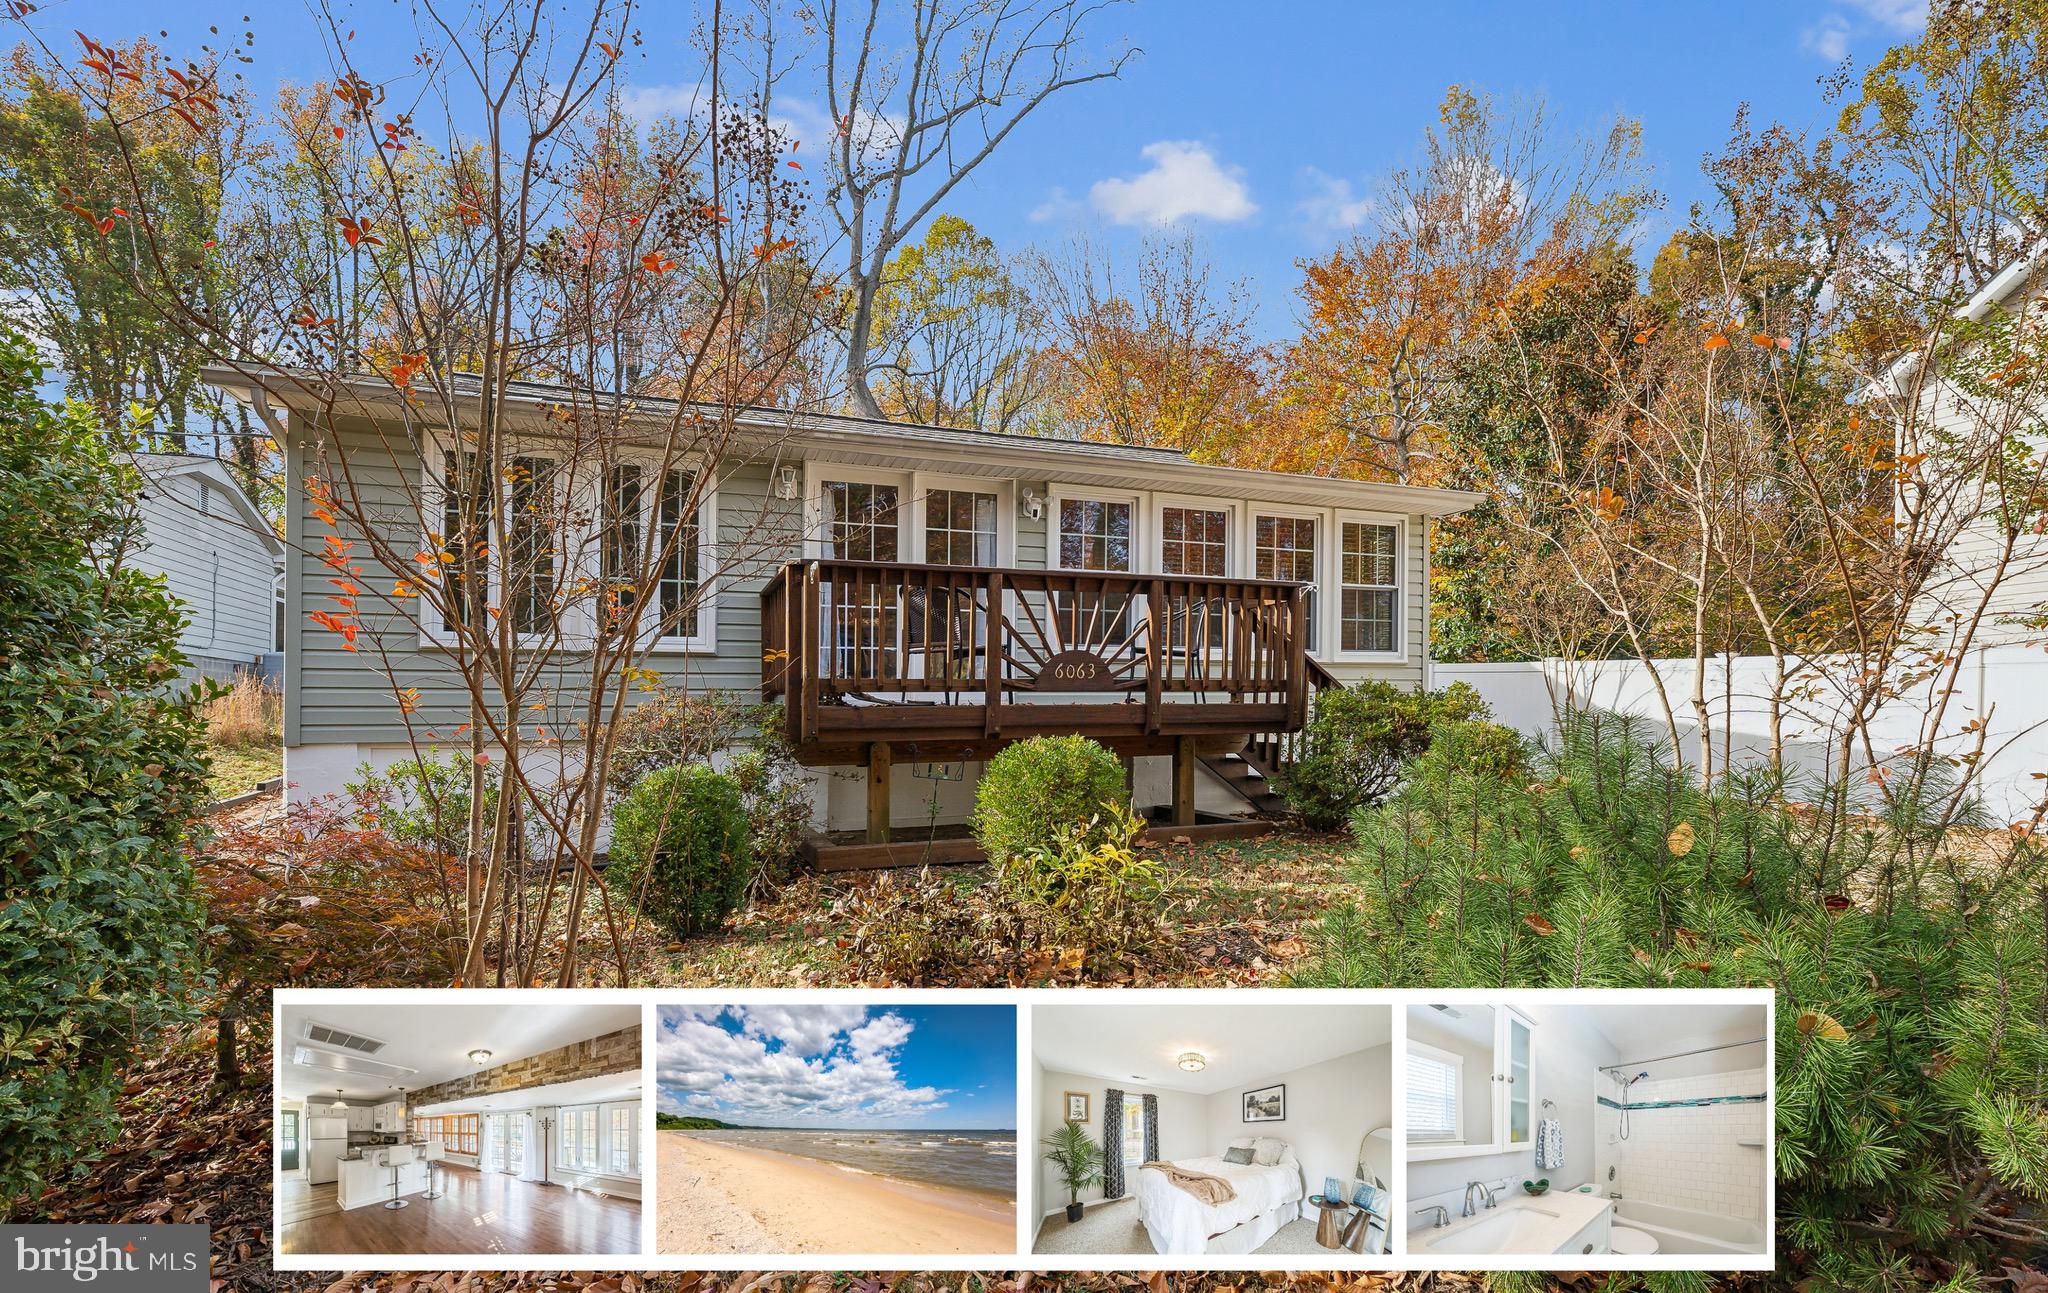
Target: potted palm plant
[1079,1160]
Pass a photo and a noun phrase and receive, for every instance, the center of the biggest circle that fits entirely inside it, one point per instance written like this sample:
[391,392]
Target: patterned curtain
[1112,1144]
[1151,1128]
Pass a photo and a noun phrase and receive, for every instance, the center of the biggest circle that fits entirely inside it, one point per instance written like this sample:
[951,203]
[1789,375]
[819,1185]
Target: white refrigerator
[326,1142]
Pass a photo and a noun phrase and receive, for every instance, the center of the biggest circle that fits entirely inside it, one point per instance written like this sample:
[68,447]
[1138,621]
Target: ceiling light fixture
[1192,1061]
[479,1057]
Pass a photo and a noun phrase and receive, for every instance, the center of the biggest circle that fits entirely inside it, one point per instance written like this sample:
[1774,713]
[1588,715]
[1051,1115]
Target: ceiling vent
[353,1043]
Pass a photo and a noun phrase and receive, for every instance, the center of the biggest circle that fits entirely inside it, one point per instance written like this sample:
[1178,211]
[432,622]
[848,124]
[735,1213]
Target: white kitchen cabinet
[387,1117]
[358,1118]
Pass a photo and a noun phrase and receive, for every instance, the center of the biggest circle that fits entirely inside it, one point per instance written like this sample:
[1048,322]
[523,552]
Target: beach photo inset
[846,1129]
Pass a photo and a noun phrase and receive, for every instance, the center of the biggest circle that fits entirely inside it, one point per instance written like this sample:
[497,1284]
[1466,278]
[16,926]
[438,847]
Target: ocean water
[982,1161]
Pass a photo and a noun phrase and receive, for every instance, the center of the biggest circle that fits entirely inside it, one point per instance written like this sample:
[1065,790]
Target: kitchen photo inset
[492,1127]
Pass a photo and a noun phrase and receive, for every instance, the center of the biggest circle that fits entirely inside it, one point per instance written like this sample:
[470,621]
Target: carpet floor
[1113,1229]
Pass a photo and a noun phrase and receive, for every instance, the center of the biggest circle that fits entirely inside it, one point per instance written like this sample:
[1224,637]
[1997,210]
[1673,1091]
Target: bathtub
[1688,1231]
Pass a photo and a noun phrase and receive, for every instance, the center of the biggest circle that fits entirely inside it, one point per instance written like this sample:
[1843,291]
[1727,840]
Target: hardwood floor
[478,1214]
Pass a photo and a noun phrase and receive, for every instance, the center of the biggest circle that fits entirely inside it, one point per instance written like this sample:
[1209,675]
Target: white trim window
[599,1139]
[1095,532]
[577,1150]
[1194,539]
[861,520]
[463,544]
[960,526]
[1134,1130]
[622,1139]
[1436,1095]
[1369,587]
[1285,546]
[532,545]
[682,611]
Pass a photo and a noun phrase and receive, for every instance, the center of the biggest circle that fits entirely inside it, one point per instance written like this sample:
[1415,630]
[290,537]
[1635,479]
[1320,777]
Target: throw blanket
[1211,1190]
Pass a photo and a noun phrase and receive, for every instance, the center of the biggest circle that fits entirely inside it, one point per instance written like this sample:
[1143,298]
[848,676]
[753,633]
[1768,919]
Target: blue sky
[774,1065]
[1263,124]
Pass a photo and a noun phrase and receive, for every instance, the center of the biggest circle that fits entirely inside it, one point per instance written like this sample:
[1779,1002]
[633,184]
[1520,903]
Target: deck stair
[1248,779]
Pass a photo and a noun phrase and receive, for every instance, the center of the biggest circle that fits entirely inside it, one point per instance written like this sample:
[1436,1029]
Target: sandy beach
[723,1198]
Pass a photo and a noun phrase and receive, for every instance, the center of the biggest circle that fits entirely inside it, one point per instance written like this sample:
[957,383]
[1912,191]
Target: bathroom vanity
[1529,1226]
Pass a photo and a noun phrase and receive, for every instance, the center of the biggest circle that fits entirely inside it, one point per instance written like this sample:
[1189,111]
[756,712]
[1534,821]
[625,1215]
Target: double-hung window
[1095,534]
[673,608]
[465,539]
[862,521]
[1435,1090]
[1284,548]
[1368,619]
[945,629]
[533,547]
[1195,540]
[1134,1131]
[622,1139]
[579,1138]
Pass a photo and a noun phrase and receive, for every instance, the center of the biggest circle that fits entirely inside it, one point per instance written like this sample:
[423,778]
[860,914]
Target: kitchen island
[366,1180]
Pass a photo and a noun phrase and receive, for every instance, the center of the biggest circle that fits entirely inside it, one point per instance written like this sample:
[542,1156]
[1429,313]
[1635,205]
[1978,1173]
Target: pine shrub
[1912,1026]
[102,777]
[1361,739]
[1034,792]
[679,849]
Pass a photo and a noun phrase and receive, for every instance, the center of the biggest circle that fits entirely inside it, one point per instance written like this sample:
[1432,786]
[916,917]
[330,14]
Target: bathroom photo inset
[1629,1131]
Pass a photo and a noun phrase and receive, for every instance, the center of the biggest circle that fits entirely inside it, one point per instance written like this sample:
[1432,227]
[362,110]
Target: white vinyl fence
[2005,687]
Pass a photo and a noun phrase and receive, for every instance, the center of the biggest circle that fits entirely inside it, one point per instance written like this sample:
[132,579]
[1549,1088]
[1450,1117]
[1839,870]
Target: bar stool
[395,1158]
[435,1150]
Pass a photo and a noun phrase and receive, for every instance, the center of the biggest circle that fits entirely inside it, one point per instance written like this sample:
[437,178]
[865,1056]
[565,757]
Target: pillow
[1266,1151]
[1238,1154]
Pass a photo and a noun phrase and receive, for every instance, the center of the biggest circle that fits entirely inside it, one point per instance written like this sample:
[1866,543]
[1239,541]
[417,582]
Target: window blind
[1432,1098]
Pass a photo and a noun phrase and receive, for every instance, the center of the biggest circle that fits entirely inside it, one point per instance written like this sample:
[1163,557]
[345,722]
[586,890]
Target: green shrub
[424,802]
[679,848]
[670,727]
[1908,957]
[1359,741]
[1032,792]
[102,777]
[777,802]
[1092,889]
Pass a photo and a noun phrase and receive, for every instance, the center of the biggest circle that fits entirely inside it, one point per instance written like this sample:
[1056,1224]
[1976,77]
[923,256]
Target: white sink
[1523,1225]
[1503,1230]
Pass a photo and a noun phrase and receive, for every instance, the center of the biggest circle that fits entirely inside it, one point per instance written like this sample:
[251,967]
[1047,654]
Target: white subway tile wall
[1709,1158]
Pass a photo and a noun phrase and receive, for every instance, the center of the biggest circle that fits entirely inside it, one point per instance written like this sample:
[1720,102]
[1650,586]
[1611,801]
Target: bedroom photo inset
[840,1129]
[1186,1130]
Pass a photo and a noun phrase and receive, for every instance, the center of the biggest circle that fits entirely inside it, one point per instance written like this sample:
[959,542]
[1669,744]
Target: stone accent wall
[611,1053]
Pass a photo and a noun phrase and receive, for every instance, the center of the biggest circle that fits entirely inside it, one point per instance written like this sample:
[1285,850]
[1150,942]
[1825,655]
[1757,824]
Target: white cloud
[788,1065]
[1828,38]
[1907,17]
[1058,205]
[1332,207]
[1184,180]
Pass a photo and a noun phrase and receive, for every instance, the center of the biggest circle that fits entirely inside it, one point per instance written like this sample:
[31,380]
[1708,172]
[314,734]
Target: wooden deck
[880,661]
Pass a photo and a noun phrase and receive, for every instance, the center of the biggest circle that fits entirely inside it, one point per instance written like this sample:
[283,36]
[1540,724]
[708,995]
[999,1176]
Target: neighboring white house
[1952,410]
[219,557]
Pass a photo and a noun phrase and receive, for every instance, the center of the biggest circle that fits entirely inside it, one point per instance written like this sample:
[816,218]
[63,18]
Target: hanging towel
[1549,1145]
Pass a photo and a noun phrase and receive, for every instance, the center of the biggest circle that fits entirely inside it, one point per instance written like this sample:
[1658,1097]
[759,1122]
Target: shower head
[1638,1077]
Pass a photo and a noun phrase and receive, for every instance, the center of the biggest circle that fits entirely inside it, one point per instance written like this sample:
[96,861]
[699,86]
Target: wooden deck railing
[876,652]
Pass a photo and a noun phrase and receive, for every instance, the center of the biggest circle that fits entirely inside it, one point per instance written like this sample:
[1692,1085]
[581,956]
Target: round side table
[1329,1226]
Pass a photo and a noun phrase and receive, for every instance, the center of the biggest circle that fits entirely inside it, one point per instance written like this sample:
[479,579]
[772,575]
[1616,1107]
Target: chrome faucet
[1443,1217]
[1484,1193]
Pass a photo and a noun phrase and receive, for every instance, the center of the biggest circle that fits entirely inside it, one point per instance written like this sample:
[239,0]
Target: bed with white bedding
[1269,1195]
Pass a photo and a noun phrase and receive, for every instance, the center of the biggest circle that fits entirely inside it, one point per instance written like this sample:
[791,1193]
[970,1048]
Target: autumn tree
[1499,193]
[1153,351]
[920,93]
[84,289]
[495,224]
[957,337]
